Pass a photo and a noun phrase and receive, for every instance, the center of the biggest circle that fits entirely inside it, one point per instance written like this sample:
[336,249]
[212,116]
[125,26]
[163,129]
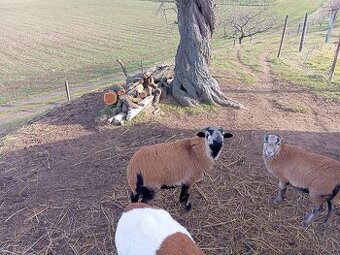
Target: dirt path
[267,81]
[267,77]
[279,102]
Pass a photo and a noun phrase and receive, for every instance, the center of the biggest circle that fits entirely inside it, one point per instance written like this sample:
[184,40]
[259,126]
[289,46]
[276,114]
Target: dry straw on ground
[63,188]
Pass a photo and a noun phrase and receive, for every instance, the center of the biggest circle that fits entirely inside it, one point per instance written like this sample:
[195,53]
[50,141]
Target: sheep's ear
[279,140]
[227,134]
[265,138]
[201,134]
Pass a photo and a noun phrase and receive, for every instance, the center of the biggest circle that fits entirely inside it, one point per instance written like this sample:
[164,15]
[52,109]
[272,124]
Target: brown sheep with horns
[178,163]
[315,174]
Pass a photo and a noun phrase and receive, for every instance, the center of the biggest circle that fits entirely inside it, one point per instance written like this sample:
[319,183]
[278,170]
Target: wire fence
[309,26]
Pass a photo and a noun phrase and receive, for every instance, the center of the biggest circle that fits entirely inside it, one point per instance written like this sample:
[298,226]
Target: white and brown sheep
[313,173]
[178,163]
[146,230]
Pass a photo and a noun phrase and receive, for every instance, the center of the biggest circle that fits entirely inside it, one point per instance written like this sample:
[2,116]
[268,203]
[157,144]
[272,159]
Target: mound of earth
[63,178]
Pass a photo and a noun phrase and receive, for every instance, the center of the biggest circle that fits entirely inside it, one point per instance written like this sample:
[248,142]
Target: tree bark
[193,84]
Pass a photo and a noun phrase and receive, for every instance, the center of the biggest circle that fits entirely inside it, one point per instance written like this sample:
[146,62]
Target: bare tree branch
[162,9]
[246,23]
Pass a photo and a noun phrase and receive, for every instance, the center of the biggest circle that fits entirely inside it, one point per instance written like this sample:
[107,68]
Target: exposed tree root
[208,94]
[204,89]
[193,84]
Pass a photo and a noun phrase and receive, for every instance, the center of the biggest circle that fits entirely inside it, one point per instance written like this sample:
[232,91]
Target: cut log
[162,75]
[119,118]
[110,97]
[163,72]
[133,113]
[130,87]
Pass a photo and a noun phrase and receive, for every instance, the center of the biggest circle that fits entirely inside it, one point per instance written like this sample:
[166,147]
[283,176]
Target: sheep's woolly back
[184,160]
[179,242]
[304,169]
[142,230]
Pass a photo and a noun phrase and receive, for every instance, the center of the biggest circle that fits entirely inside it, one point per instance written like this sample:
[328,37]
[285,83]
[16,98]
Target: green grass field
[45,42]
[295,9]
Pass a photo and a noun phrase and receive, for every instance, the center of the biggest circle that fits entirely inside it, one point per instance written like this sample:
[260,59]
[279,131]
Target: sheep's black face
[214,140]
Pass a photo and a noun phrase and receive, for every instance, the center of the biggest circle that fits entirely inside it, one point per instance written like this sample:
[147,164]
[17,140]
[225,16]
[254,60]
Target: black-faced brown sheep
[178,163]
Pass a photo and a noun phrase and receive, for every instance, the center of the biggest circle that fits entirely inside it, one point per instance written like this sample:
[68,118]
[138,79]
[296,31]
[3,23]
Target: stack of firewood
[130,99]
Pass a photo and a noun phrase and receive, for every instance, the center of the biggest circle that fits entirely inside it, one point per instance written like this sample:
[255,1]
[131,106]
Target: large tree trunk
[192,83]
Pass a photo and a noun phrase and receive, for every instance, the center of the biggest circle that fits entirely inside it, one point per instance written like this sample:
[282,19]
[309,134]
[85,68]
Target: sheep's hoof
[304,223]
[325,224]
[275,200]
[187,207]
[307,220]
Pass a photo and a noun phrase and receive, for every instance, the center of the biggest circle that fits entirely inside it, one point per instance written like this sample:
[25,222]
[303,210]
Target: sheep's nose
[218,139]
[269,153]
[218,142]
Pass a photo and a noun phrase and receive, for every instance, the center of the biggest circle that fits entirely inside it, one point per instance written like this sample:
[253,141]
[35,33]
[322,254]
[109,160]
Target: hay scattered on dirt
[63,188]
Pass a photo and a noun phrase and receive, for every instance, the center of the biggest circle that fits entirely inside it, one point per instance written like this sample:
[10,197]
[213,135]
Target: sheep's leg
[282,191]
[168,187]
[147,194]
[329,214]
[134,197]
[184,197]
[311,216]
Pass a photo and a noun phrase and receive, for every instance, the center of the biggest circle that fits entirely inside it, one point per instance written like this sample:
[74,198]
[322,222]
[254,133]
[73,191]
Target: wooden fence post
[283,36]
[224,29]
[67,91]
[303,32]
[321,22]
[141,66]
[332,18]
[331,73]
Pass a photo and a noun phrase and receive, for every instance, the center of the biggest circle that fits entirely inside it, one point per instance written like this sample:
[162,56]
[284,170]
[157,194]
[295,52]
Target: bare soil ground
[63,183]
